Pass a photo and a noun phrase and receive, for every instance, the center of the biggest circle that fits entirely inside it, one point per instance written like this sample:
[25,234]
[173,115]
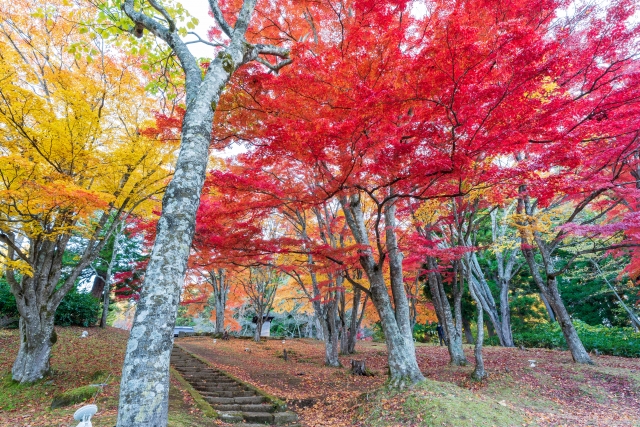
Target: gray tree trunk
[506,263]
[344,329]
[318,328]
[37,337]
[329,324]
[220,284]
[479,372]
[357,314]
[453,337]
[38,296]
[505,314]
[466,326]
[144,388]
[220,309]
[258,331]
[107,279]
[578,352]
[547,306]
[403,366]
[105,306]
[328,306]
[499,323]
[549,289]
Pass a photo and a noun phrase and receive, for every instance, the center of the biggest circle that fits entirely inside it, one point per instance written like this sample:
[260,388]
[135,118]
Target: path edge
[204,406]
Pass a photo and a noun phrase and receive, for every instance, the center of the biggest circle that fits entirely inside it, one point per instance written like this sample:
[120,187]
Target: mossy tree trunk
[144,389]
[394,318]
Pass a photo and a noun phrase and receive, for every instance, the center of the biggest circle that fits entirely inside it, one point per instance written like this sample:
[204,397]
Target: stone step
[288,417]
[234,402]
[263,407]
[214,389]
[197,379]
[222,393]
[230,393]
[230,386]
[247,400]
[208,376]
[227,393]
[258,417]
[214,381]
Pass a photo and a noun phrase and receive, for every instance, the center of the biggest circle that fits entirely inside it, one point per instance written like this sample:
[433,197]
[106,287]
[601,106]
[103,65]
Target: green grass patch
[73,396]
[433,403]
[14,395]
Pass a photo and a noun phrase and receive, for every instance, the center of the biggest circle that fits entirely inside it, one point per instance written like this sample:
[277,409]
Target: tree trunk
[550,312]
[356,319]
[466,325]
[453,339]
[578,352]
[358,367]
[317,323]
[478,373]
[107,277]
[219,316]
[403,366]
[505,314]
[330,333]
[484,295]
[97,289]
[344,329]
[105,306]
[144,387]
[549,292]
[220,285]
[37,337]
[258,331]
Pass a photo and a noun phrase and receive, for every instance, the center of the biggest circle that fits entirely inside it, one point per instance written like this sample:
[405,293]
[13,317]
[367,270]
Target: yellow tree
[73,161]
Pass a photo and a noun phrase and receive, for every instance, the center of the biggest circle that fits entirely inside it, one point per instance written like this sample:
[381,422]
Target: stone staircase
[234,401]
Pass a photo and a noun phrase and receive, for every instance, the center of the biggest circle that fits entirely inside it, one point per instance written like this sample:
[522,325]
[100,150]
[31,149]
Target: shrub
[615,341]
[8,309]
[378,333]
[76,308]
[425,333]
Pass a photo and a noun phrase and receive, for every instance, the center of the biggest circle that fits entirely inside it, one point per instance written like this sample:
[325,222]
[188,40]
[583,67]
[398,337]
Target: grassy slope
[78,362]
[434,403]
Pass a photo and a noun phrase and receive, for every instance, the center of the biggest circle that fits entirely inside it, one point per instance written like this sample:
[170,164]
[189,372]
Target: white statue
[84,415]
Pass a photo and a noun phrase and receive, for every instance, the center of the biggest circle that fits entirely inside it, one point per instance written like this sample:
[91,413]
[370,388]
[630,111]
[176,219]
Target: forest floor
[554,393]
[79,362]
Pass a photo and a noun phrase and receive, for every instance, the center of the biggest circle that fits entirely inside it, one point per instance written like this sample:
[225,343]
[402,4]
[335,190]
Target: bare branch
[267,49]
[275,68]
[244,17]
[219,17]
[187,61]
[5,238]
[157,6]
[215,43]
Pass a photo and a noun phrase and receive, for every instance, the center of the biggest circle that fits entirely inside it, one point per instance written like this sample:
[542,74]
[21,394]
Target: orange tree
[73,161]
